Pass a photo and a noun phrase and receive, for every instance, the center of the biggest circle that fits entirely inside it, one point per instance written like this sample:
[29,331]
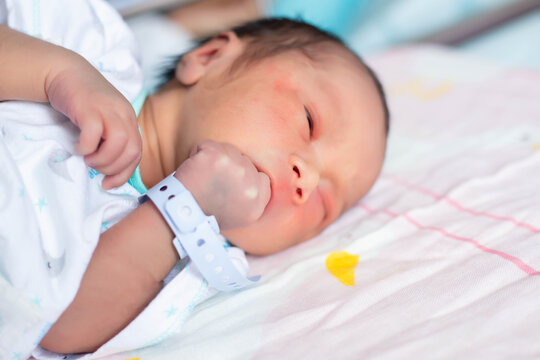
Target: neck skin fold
[160,123]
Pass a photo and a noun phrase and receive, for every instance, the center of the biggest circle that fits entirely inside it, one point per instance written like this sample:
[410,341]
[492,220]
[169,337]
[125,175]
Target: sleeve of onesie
[31,298]
[90,28]
[3,12]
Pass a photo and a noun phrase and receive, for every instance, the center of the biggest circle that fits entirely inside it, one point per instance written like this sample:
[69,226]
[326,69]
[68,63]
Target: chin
[244,239]
[254,243]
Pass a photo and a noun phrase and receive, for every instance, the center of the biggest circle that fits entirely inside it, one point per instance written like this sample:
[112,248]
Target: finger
[206,149]
[109,150]
[257,196]
[235,159]
[111,181]
[265,191]
[208,145]
[91,131]
[195,149]
[231,150]
[129,158]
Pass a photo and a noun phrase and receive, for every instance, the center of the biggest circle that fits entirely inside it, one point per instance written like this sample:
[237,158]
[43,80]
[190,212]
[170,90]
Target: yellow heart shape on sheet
[341,264]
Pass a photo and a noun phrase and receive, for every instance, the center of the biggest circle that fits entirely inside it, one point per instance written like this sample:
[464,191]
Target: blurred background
[504,31]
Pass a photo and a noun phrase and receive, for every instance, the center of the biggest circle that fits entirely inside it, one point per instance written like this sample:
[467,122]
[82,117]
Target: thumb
[265,190]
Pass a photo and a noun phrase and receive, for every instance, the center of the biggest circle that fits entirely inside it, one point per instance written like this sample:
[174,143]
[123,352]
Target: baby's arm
[123,276]
[35,70]
[134,256]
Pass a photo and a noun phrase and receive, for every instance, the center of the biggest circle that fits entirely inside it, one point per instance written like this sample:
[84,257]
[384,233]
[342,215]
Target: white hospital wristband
[196,235]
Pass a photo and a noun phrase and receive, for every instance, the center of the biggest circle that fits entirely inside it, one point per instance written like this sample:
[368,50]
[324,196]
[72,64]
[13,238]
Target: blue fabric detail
[138,102]
[135,180]
[337,17]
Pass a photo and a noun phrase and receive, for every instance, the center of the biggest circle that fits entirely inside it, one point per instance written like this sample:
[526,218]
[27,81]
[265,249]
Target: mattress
[439,261]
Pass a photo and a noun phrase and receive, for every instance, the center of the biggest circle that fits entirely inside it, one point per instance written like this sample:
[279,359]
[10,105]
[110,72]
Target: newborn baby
[275,127]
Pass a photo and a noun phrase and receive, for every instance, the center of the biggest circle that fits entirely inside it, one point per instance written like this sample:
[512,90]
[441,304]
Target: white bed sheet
[448,239]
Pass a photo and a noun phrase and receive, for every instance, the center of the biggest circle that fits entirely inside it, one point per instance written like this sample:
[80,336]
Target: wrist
[196,235]
[161,256]
[193,185]
[59,79]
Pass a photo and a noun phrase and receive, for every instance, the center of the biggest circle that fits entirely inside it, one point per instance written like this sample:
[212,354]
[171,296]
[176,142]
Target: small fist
[225,184]
[109,141]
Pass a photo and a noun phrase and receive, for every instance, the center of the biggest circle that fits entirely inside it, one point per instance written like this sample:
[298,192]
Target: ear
[195,64]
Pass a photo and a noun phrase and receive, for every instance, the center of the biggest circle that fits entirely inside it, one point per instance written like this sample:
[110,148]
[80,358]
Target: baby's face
[315,128]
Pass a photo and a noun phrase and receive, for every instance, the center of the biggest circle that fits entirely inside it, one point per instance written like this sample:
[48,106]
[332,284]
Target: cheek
[282,206]
[314,211]
[284,225]
[281,83]
[281,189]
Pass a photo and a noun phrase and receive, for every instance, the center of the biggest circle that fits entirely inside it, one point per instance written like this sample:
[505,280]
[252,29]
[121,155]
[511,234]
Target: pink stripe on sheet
[460,207]
[516,261]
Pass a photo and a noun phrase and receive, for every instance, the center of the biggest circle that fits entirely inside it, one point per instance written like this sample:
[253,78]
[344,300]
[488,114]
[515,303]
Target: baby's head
[303,107]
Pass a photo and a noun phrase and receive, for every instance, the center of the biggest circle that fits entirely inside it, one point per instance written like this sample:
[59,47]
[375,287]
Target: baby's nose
[305,179]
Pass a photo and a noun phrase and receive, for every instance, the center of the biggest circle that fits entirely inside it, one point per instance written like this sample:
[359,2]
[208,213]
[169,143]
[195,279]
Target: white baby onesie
[52,206]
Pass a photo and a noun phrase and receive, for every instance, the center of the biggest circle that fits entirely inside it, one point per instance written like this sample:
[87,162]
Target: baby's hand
[110,139]
[225,184]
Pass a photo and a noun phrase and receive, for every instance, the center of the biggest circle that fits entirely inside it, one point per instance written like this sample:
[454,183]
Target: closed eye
[310,121]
